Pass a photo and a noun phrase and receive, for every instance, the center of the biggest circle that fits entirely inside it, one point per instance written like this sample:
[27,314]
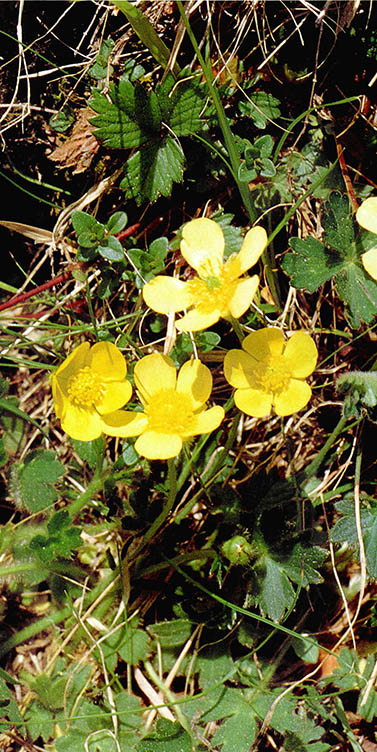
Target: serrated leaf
[187,102]
[260,108]
[34,479]
[168,737]
[62,538]
[237,733]
[134,647]
[359,292]
[9,713]
[152,171]
[214,665]
[171,633]
[302,564]
[39,721]
[276,592]
[130,119]
[338,226]
[345,530]
[89,451]
[311,264]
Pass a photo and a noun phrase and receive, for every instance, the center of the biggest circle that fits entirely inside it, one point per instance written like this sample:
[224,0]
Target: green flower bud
[238,550]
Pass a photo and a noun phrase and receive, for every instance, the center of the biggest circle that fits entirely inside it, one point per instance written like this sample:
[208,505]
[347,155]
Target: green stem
[96,484]
[218,462]
[237,329]
[223,121]
[312,468]
[172,493]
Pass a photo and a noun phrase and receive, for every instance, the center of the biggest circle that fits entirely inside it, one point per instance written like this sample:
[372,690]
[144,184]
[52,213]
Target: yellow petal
[293,398]
[206,421]
[238,365]
[124,423]
[301,355]
[369,261]
[195,381]
[158,446]
[194,321]
[253,402]
[366,214]
[115,396]
[107,361]
[83,425]
[243,295]
[203,246]
[154,373]
[76,359]
[252,248]
[57,396]
[166,295]
[264,342]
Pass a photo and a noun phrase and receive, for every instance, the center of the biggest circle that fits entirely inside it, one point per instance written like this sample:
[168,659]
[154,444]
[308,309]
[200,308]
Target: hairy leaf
[32,480]
[345,530]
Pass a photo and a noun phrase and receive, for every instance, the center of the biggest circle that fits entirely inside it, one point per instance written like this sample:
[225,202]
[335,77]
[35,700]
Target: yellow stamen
[85,388]
[169,412]
[212,293]
[272,375]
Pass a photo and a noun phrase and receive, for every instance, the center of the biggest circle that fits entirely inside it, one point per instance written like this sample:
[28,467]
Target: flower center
[169,412]
[212,293]
[85,388]
[271,375]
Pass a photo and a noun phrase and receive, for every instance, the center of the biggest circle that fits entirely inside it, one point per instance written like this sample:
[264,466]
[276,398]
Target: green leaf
[276,592]
[261,108]
[305,650]
[89,451]
[187,102]
[238,732]
[62,121]
[214,665]
[171,633]
[302,564]
[130,119]
[345,530]
[62,538]
[9,713]
[100,68]
[134,647]
[117,222]
[83,222]
[359,292]
[311,264]
[264,146]
[158,249]
[168,737]
[338,226]
[39,721]
[152,171]
[112,249]
[32,480]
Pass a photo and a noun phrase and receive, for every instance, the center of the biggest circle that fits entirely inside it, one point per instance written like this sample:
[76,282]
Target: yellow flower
[219,290]
[87,386]
[174,406]
[366,216]
[269,372]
